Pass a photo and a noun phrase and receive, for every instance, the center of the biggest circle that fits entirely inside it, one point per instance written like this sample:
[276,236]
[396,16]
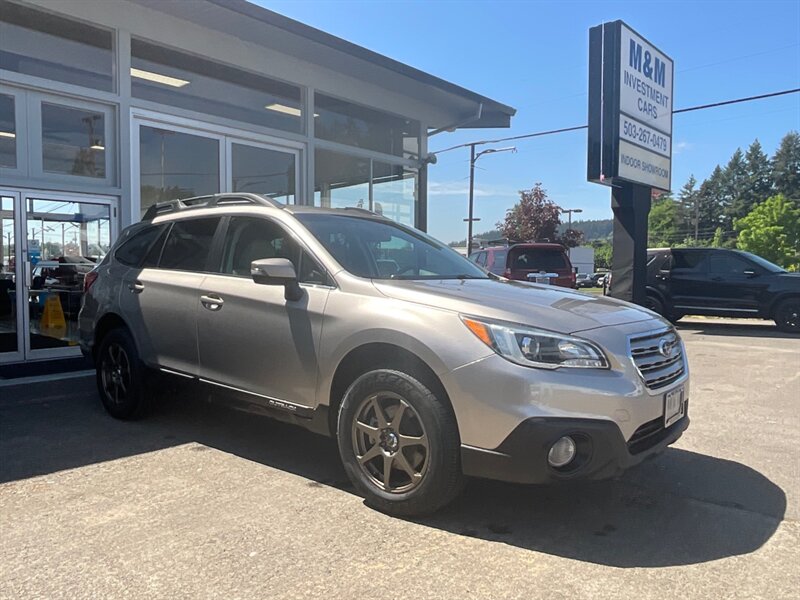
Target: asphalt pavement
[199,501]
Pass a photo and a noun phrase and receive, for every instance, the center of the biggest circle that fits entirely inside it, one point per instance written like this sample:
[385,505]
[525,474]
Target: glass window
[541,259]
[249,239]
[167,76]
[479,258]
[380,249]
[394,191]
[696,261]
[340,180]
[499,263]
[263,171]
[176,165]
[8,132]
[188,245]
[729,264]
[347,123]
[133,251]
[45,45]
[73,141]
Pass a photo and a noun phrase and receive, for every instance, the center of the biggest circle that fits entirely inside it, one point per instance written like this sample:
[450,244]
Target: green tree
[733,178]
[663,222]
[602,254]
[786,168]
[772,230]
[534,218]
[688,200]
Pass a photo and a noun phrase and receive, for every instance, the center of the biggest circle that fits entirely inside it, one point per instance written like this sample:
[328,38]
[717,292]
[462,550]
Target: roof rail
[224,199]
[364,210]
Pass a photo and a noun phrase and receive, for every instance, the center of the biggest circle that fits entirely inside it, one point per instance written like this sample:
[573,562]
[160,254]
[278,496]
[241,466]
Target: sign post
[630,141]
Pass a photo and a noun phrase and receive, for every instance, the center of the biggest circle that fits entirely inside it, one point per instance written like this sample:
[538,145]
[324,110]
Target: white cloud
[681,146]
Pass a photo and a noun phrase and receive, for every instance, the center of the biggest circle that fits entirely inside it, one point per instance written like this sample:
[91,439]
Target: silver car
[425,368]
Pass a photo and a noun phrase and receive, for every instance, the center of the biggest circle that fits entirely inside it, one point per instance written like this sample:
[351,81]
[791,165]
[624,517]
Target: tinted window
[499,260]
[689,260]
[729,264]
[188,245]
[384,250]
[480,258]
[539,259]
[249,239]
[132,252]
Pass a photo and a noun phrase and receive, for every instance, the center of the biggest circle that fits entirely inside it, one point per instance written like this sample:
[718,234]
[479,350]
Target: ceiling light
[7,134]
[282,108]
[159,78]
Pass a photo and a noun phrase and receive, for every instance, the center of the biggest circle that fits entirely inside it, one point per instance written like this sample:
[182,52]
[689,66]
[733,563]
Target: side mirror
[277,271]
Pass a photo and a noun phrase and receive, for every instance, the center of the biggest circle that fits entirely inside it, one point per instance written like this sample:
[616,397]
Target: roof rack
[225,199]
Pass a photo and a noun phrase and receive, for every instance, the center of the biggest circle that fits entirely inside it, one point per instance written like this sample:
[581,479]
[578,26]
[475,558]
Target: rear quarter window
[133,251]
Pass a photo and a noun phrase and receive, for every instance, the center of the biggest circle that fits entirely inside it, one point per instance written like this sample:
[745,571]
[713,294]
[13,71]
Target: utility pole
[472,160]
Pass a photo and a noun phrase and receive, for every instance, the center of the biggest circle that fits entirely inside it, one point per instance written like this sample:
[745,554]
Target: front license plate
[673,406]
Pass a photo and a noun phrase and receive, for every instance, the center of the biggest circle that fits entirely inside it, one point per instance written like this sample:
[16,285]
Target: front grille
[651,433]
[658,357]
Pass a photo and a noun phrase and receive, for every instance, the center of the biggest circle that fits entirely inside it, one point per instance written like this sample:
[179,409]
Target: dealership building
[108,107]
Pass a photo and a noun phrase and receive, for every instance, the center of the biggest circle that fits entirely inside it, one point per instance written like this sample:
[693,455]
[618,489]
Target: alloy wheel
[790,316]
[390,443]
[116,373]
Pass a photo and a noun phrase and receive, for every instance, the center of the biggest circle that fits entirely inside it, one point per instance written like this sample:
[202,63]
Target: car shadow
[680,508]
[765,329]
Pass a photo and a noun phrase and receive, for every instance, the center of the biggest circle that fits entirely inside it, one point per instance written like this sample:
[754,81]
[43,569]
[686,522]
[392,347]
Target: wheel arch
[773,307]
[107,322]
[379,355]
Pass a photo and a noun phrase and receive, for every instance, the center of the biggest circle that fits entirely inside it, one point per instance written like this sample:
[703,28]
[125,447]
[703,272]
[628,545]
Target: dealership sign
[630,108]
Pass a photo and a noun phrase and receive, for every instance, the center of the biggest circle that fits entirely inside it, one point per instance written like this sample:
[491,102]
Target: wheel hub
[389,442]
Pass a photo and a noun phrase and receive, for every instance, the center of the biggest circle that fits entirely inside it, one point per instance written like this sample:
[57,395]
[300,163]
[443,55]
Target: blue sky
[533,56]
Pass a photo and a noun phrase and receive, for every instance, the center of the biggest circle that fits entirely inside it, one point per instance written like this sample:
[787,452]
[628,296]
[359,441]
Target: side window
[728,264]
[188,244]
[249,239]
[694,261]
[499,263]
[133,251]
[481,258]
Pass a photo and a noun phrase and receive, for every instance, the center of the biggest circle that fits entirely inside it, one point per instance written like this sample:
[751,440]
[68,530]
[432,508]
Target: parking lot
[201,502]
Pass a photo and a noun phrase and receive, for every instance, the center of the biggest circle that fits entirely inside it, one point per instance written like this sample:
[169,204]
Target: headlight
[533,347]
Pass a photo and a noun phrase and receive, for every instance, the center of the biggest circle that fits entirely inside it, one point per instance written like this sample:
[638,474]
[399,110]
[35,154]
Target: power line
[579,127]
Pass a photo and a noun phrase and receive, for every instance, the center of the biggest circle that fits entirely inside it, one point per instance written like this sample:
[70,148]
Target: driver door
[250,337]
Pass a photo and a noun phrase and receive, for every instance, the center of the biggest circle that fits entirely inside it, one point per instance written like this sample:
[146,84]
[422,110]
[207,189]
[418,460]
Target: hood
[546,306]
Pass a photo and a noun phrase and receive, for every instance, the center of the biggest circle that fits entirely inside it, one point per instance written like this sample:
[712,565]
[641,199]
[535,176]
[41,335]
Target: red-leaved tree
[535,218]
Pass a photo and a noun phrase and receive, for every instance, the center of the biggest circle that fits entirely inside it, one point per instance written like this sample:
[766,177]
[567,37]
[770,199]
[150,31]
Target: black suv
[722,283]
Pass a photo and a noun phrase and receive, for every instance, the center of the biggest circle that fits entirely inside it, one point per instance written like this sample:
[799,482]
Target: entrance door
[52,242]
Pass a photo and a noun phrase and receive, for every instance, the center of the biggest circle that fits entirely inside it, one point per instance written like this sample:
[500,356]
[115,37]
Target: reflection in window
[8,133]
[340,180]
[45,45]
[176,165]
[347,123]
[263,171]
[73,141]
[394,191]
[171,77]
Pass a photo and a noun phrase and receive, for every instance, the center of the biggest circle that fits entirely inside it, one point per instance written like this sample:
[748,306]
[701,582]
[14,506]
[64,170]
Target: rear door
[498,261]
[159,299]
[689,284]
[528,260]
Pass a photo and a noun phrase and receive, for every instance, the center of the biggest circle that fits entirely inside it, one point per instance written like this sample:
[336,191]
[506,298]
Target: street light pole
[473,158]
[569,212]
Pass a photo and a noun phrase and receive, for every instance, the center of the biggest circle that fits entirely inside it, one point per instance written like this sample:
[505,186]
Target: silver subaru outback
[425,368]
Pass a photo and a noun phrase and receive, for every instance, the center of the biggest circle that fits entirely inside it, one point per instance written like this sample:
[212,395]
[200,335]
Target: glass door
[11,339]
[49,243]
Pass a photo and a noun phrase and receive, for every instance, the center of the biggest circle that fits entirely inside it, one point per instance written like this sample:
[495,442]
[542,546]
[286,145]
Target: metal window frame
[21,130]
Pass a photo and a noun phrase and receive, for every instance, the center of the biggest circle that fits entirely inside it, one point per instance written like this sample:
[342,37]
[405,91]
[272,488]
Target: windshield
[764,263]
[385,250]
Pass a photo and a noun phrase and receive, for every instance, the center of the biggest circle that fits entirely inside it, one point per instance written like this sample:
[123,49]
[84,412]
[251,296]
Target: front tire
[399,444]
[120,376]
[787,315]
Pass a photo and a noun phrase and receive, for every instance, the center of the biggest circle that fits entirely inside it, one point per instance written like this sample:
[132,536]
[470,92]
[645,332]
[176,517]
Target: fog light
[562,452]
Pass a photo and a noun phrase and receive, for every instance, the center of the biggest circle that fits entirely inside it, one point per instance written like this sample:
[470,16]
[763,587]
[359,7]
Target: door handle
[212,302]
[137,287]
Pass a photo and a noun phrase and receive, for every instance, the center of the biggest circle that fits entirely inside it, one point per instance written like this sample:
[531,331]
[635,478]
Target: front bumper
[602,451]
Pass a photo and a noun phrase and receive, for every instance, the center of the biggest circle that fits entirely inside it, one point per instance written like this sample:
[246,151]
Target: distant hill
[593,229]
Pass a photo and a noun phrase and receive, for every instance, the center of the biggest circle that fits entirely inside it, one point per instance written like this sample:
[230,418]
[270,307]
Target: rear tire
[121,376]
[787,315]
[399,444]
